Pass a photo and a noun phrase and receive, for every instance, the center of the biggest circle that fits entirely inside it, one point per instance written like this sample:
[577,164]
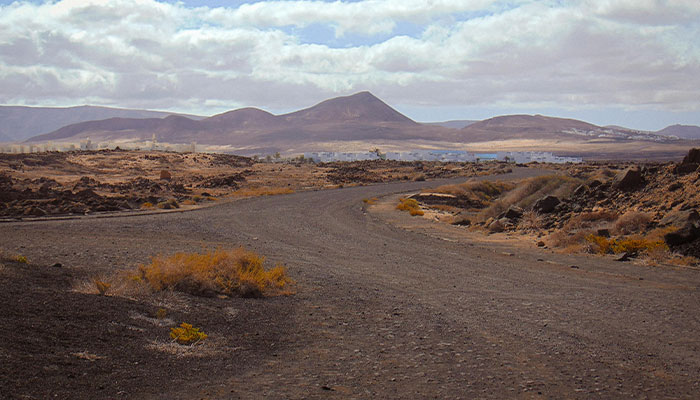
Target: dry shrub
[228,272]
[531,220]
[410,205]
[168,205]
[370,202]
[635,244]
[147,205]
[570,240]
[262,191]
[527,191]
[187,334]
[631,222]
[102,286]
[189,202]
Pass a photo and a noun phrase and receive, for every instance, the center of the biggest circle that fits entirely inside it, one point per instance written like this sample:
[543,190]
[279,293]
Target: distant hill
[453,124]
[18,123]
[681,131]
[538,127]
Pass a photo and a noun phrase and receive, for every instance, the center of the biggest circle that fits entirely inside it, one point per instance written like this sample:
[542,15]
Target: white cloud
[142,53]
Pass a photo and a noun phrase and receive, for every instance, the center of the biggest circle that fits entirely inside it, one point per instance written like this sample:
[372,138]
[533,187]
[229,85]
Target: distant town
[443,155]
[323,156]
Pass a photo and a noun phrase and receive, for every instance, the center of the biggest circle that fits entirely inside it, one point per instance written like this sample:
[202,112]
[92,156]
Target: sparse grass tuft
[370,202]
[187,334]
[102,286]
[228,272]
[410,205]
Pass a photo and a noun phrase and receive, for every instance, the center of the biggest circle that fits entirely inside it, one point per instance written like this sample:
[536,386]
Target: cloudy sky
[629,62]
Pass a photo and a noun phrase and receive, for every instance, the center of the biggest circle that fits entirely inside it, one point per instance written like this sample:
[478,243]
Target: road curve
[382,312]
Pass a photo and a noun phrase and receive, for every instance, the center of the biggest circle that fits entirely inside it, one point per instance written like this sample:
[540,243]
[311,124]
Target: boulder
[693,156]
[628,179]
[683,169]
[679,218]
[546,204]
[689,233]
[689,164]
[513,213]
[497,226]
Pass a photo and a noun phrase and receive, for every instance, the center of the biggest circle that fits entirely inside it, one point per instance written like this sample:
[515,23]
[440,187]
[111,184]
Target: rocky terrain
[584,206]
[79,183]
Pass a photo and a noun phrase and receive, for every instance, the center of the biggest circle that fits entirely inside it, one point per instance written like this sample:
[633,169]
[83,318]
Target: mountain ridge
[18,123]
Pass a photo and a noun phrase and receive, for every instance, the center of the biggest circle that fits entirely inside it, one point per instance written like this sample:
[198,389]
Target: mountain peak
[359,107]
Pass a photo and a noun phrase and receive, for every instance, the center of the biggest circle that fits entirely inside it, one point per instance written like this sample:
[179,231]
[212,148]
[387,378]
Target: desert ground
[385,305]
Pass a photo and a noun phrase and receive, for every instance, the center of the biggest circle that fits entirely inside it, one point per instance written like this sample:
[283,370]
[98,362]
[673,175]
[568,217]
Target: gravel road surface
[386,312]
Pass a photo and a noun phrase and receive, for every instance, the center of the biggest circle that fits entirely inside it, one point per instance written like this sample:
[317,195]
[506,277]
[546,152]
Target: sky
[634,63]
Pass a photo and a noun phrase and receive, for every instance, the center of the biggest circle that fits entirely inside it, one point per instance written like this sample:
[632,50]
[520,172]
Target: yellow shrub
[21,259]
[187,334]
[229,272]
[370,202]
[410,205]
[147,205]
[604,245]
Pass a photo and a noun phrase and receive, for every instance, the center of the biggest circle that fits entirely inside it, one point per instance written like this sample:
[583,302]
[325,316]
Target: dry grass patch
[237,272]
[528,191]
[262,191]
[477,192]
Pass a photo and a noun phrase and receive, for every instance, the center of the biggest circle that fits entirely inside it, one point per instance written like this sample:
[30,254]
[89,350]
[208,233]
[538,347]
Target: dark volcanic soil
[381,312]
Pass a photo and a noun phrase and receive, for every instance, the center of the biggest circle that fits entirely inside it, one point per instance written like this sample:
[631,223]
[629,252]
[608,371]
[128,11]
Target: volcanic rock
[546,204]
[628,179]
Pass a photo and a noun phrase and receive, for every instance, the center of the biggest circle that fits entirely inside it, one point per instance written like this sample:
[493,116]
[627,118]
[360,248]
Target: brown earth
[383,310]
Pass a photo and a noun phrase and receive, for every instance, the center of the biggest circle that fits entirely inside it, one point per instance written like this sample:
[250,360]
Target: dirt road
[384,312]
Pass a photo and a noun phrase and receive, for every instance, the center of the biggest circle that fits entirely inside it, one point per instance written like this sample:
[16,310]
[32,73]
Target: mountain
[681,131]
[524,127]
[362,107]
[540,127]
[361,116]
[18,123]
[362,121]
